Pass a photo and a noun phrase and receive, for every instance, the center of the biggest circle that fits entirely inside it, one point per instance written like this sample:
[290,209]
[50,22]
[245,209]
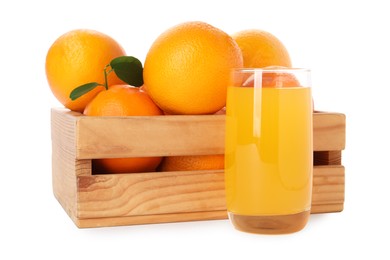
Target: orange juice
[268,157]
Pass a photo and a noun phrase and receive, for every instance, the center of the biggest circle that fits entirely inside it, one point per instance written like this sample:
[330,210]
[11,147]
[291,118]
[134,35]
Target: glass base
[278,224]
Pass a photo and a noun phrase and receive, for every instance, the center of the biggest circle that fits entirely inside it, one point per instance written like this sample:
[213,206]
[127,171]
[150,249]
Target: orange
[192,163]
[261,49]
[275,77]
[187,68]
[79,57]
[279,80]
[123,100]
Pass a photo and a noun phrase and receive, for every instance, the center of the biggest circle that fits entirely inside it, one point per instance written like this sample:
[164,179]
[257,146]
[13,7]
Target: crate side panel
[63,130]
[151,219]
[115,195]
[328,131]
[76,188]
[328,185]
[327,208]
[119,137]
[63,160]
[102,196]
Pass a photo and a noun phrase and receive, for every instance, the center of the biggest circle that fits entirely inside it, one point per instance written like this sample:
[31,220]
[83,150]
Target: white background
[345,43]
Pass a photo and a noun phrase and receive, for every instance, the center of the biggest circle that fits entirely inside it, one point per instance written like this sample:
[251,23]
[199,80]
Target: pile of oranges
[186,72]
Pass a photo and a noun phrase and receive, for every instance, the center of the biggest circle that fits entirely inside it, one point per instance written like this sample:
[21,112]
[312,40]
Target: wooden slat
[150,193]
[102,196]
[110,137]
[328,185]
[327,208]
[63,161]
[151,219]
[328,131]
[105,137]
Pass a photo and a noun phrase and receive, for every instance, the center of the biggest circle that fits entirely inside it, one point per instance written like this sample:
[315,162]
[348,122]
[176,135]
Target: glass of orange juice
[269,150]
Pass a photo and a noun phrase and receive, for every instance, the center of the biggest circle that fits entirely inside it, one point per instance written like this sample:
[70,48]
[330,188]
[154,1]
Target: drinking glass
[269,150]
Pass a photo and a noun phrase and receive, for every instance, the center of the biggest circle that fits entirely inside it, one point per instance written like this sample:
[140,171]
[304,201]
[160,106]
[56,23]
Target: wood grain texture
[141,198]
[63,161]
[167,193]
[150,219]
[328,131]
[109,137]
[328,188]
[150,193]
[113,137]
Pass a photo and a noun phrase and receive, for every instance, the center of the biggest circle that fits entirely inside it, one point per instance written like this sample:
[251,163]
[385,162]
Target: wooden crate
[94,200]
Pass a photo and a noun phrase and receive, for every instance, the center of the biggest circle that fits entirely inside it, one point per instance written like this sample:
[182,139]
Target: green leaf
[83,89]
[129,69]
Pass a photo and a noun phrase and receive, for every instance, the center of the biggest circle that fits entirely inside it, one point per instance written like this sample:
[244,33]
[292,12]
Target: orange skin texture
[261,49]
[187,68]
[79,57]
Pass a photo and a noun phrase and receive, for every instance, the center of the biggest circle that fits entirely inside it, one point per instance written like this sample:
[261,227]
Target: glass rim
[270,69]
